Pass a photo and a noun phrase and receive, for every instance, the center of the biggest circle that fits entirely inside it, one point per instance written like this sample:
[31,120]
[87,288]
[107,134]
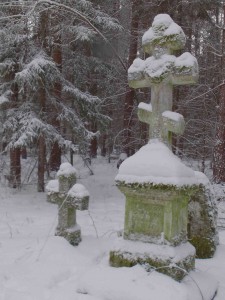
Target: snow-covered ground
[36,265]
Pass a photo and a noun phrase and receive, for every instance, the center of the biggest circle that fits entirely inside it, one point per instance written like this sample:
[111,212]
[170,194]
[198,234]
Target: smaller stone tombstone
[69,196]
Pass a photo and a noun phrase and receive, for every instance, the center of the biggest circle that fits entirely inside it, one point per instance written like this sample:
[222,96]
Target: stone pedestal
[155,213]
[155,230]
[167,204]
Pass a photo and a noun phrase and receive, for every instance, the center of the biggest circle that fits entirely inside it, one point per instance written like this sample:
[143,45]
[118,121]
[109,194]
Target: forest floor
[36,265]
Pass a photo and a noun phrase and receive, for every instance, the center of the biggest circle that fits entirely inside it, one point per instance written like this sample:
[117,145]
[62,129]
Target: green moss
[72,236]
[202,229]
[66,182]
[122,185]
[126,259]
[139,83]
[205,247]
[172,42]
[151,211]
[167,203]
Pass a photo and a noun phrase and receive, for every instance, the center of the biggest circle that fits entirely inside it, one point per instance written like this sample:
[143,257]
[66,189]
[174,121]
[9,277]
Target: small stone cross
[69,196]
[161,71]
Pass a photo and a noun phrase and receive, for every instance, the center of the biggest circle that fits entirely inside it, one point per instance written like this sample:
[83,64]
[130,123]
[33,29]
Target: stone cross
[161,71]
[69,196]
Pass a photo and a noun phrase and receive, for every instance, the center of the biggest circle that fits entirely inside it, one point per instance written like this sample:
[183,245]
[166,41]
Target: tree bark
[15,168]
[55,155]
[219,148]
[41,163]
[130,93]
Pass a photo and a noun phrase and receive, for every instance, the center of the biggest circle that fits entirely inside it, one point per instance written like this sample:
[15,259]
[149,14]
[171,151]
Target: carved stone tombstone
[69,196]
[157,185]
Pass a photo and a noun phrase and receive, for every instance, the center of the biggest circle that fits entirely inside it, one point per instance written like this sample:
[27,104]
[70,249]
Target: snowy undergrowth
[36,265]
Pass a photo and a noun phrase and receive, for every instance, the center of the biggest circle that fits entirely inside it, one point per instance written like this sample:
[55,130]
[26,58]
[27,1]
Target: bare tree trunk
[41,163]
[130,93]
[15,163]
[219,148]
[55,156]
[15,168]
[43,43]
[41,146]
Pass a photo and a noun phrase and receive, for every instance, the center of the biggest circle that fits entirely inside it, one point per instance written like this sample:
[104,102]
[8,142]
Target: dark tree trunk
[219,148]
[103,145]
[55,155]
[15,163]
[24,153]
[94,142]
[130,93]
[43,29]
[41,145]
[41,163]
[15,168]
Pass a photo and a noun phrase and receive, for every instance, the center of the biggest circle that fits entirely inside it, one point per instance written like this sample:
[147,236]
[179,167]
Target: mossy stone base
[72,235]
[202,223]
[155,214]
[205,247]
[175,266]
[173,216]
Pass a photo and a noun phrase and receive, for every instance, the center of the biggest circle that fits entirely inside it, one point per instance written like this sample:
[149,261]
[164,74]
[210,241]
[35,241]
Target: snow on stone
[174,29]
[157,251]
[162,19]
[136,68]
[202,178]
[162,25]
[186,60]
[148,36]
[155,163]
[78,191]
[155,67]
[145,106]
[52,186]
[66,169]
[173,116]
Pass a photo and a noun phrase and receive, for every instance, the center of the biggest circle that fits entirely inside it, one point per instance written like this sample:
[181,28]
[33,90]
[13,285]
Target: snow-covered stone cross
[161,71]
[69,196]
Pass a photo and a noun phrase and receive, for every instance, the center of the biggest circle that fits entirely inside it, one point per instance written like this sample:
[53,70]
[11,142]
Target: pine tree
[50,96]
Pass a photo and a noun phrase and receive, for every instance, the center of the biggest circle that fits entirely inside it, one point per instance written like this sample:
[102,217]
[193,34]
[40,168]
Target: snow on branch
[98,17]
[41,67]
[29,129]
[79,95]
[82,33]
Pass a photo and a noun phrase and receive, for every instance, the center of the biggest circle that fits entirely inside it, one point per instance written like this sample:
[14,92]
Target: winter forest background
[63,81]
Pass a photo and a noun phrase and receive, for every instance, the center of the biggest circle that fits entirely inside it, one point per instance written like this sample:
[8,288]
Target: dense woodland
[63,81]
